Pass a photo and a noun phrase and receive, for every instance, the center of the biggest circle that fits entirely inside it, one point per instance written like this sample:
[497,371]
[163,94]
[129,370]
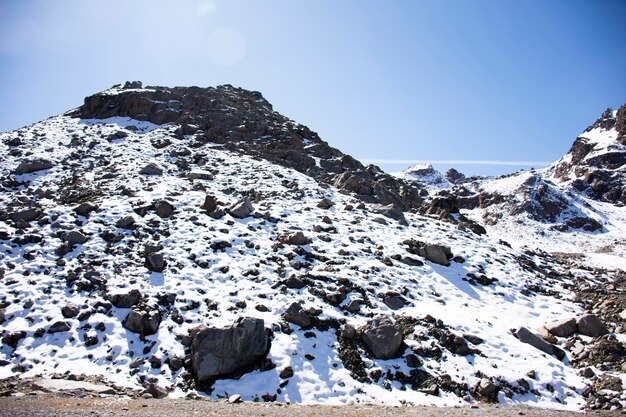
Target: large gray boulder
[221,352]
[526,336]
[296,315]
[382,337]
[33,165]
[144,320]
[241,209]
[562,328]
[436,253]
[591,325]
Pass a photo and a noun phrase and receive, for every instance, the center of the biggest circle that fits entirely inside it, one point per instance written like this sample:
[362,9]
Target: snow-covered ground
[208,283]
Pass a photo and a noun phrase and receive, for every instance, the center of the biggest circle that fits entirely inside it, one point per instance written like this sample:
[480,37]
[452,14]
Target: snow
[197,276]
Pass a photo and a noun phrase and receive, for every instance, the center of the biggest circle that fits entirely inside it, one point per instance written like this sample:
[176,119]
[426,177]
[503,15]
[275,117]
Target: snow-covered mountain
[575,205]
[174,241]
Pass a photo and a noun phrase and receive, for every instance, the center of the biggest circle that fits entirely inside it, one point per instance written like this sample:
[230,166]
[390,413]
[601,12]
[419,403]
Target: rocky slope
[192,241]
[574,205]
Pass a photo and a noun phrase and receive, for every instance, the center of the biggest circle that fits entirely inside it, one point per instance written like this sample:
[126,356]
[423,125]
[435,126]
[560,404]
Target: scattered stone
[163,209]
[125,222]
[286,373]
[391,211]
[157,391]
[382,337]
[210,203]
[526,336]
[242,209]
[220,352]
[234,399]
[75,238]
[413,361]
[70,311]
[325,204]
[562,328]
[394,301]
[155,262]
[84,209]
[294,282]
[487,390]
[297,238]
[26,215]
[59,326]
[33,165]
[296,315]
[547,336]
[436,253]
[144,320]
[151,169]
[13,338]
[591,325]
[348,331]
[125,300]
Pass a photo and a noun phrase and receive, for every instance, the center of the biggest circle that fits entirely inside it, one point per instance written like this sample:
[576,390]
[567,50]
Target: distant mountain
[192,241]
[574,205]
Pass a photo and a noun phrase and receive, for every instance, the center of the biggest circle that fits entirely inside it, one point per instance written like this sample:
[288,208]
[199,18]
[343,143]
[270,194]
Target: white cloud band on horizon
[455,162]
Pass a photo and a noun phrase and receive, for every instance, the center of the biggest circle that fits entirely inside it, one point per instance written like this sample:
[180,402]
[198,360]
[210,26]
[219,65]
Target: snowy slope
[204,285]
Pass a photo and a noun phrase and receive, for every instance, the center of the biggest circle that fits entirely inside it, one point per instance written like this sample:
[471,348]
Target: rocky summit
[191,241]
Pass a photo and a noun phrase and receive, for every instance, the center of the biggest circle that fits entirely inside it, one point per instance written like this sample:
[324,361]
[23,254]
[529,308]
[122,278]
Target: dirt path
[45,405]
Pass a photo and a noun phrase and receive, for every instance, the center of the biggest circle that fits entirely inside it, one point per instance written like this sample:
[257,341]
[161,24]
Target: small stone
[163,209]
[325,204]
[75,238]
[33,165]
[562,328]
[242,209]
[297,238]
[591,325]
[151,169]
[296,315]
[70,311]
[84,209]
[125,222]
[286,373]
[234,399]
[59,326]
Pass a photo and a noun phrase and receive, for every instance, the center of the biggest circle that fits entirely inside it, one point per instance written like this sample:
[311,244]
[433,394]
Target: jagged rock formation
[243,121]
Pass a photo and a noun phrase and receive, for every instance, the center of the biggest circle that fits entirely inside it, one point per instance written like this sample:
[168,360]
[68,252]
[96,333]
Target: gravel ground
[45,405]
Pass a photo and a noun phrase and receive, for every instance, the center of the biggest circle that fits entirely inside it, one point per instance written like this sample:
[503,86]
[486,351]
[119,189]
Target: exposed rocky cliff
[243,121]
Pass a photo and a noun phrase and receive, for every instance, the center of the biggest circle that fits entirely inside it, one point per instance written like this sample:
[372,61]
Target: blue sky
[454,81]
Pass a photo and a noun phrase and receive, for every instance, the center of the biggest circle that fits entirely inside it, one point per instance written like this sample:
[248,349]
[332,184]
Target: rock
[176,363]
[33,165]
[59,326]
[70,311]
[13,338]
[84,209]
[296,315]
[220,352]
[487,389]
[348,331]
[155,262]
[286,373]
[623,314]
[391,211]
[432,389]
[547,336]
[125,222]
[325,204]
[163,209]
[234,399]
[210,203]
[394,302]
[144,320]
[26,215]
[125,300]
[562,328]
[354,305]
[454,343]
[436,253]
[1,316]
[157,391]
[294,282]
[591,325]
[413,361]
[297,238]
[382,337]
[151,169]
[242,209]
[75,238]
[526,336]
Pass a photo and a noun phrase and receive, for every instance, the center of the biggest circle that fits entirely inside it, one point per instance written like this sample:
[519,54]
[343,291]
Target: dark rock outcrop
[222,352]
[382,337]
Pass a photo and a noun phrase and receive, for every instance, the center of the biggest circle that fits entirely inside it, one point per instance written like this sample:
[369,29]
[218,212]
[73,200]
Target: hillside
[186,241]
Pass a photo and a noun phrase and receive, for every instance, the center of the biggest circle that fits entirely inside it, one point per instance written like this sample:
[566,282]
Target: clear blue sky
[381,80]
